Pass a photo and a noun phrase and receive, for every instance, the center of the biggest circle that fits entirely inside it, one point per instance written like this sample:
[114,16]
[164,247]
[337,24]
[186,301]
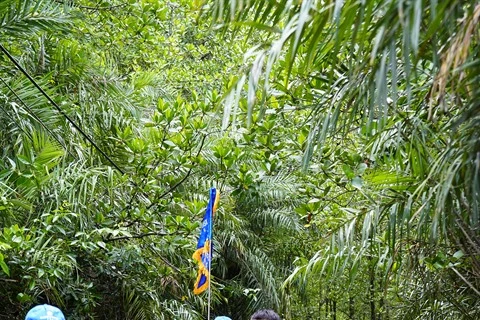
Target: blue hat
[45,312]
[222,318]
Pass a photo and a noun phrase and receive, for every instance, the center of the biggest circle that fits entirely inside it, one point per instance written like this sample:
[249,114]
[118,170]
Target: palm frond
[25,17]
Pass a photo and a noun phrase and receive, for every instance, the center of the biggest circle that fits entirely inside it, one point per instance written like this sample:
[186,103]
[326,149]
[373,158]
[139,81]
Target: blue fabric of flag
[203,254]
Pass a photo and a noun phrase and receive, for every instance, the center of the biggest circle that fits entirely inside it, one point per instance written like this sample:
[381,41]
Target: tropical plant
[398,78]
[106,162]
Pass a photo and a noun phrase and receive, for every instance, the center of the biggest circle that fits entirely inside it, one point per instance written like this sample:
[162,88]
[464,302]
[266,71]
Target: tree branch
[96,8]
[137,236]
[176,185]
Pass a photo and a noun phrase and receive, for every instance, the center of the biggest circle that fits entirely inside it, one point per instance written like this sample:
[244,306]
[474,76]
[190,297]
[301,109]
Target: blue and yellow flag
[203,254]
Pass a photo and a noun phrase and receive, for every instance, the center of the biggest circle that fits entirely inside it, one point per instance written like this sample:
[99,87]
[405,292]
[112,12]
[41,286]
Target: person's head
[45,312]
[265,314]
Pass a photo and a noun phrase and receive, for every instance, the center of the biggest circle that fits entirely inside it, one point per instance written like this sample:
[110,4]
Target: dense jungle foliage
[344,137]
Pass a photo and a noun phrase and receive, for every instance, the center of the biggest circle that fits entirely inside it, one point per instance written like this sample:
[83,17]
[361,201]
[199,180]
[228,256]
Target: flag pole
[210,264]
[209,281]
[211,258]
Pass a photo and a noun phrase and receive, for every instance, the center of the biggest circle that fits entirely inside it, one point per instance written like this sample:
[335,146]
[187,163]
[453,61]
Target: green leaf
[357,182]
[459,254]
[361,168]
[22,297]
[4,266]
[348,171]
[101,244]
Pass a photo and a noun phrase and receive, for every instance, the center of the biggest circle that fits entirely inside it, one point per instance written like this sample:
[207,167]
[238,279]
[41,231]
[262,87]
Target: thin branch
[96,8]
[8,280]
[137,236]
[466,281]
